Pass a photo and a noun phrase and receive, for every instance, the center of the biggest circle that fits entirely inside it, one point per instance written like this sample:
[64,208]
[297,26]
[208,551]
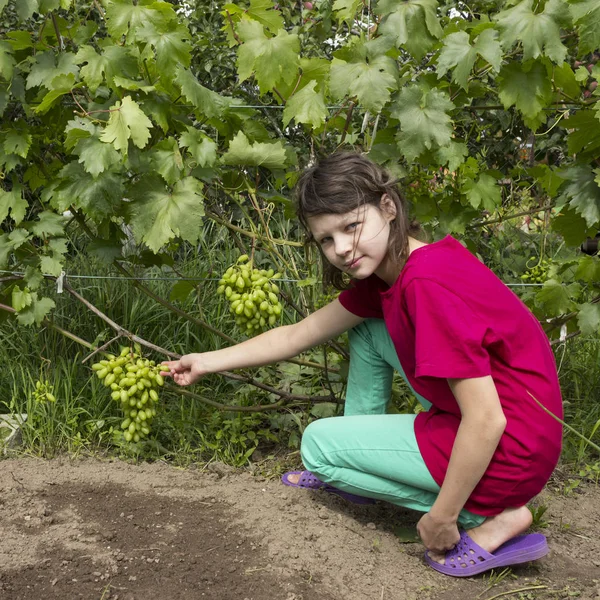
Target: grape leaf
[412,24]
[583,193]
[21,298]
[346,9]
[482,192]
[48,224]
[571,226]
[159,216]
[3,4]
[262,11]
[424,120]
[306,106]
[205,101]
[272,60]
[96,156]
[172,48]
[241,152]
[14,202]
[33,277]
[588,269]
[460,55]
[127,120]
[452,154]
[539,33]
[45,69]
[17,142]
[77,129]
[586,14]
[527,87]
[588,318]
[37,311]
[125,15]
[584,133]
[556,298]
[200,146]
[7,62]
[371,82]
[26,8]
[167,160]
[61,85]
[98,197]
[9,242]
[93,72]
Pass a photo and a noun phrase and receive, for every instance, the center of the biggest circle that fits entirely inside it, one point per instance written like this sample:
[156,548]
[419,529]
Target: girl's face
[356,242]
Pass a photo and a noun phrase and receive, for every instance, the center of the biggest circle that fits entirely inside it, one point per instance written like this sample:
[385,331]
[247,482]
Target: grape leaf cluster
[252,296]
[134,382]
[538,273]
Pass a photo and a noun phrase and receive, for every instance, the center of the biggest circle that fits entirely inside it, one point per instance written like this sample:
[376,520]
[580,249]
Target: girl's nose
[343,246]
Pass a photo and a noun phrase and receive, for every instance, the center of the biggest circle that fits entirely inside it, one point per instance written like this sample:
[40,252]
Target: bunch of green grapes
[252,296]
[134,382]
[538,273]
[43,391]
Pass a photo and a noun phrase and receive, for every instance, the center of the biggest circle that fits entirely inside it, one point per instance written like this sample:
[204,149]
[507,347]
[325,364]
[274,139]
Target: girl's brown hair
[342,183]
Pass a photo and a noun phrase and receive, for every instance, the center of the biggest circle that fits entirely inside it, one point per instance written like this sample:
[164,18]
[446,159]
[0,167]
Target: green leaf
[76,130]
[17,142]
[424,120]
[167,160]
[272,60]
[564,79]
[51,265]
[98,197]
[547,178]
[26,8]
[555,298]
[14,202]
[200,146]
[3,4]
[584,133]
[571,226]
[46,69]
[412,24]
[181,290]
[93,72]
[539,33]
[21,298]
[460,55]
[588,319]
[10,242]
[241,152]
[306,106]
[371,82]
[125,15]
[158,216]
[482,192]
[33,277]
[37,311]
[452,155]
[262,11]
[61,85]
[528,88]
[583,193]
[171,47]
[588,269]
[346,9]
[48,224]
[7,62]
[205,101]
[96,156]
[127,120]
[586,15]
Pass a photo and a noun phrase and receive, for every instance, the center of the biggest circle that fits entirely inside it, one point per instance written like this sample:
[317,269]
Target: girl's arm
[272,346]
[481,427]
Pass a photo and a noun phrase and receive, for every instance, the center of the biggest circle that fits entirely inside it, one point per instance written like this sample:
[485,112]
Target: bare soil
[108,530]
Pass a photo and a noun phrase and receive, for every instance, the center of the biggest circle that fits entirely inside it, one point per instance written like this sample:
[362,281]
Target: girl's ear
[387,207]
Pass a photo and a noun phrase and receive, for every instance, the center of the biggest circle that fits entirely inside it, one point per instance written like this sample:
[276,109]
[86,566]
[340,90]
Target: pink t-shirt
[449,316]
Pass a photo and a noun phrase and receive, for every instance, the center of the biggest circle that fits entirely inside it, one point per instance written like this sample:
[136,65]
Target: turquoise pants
[368,452]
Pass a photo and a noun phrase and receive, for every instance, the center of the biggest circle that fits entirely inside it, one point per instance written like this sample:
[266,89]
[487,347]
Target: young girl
[475,357]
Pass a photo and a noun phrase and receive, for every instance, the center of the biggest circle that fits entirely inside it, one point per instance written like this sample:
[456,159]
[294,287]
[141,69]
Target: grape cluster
[134,382]
[252,295]
[538,273]
[43,392]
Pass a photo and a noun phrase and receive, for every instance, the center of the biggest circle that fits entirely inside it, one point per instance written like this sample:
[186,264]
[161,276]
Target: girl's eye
[352,226]
[325,240]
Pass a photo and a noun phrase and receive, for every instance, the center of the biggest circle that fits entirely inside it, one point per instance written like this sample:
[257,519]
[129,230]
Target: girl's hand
[437,535]
[187,370]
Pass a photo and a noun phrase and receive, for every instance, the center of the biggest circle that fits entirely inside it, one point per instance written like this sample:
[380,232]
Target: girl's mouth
[354,263]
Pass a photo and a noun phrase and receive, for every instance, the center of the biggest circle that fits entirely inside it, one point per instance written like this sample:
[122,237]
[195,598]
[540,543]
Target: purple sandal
[310,481]
[468,558]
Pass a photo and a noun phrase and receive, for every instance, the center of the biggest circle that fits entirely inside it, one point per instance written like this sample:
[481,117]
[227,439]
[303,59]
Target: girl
[475,357]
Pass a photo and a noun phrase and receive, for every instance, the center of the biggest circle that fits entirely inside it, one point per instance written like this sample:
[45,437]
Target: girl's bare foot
[494,531]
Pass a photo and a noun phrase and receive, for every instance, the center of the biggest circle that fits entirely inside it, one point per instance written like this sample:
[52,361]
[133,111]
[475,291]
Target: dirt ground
[107,530]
